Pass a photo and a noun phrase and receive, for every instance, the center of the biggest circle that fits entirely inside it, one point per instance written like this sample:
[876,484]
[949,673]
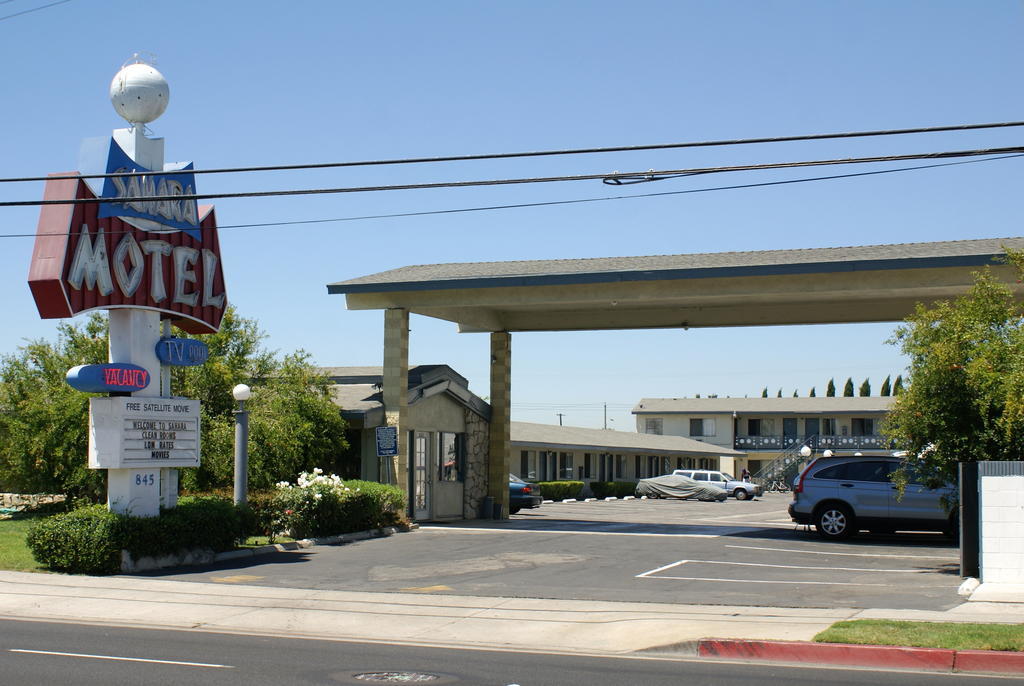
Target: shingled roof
[605,440]
[803,406]
[702,265]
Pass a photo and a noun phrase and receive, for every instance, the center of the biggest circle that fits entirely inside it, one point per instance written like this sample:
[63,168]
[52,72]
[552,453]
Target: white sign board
[141,433]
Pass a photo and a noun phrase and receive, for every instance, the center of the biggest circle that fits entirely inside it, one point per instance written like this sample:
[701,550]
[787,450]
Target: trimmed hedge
[89,540]
[560,490]
[83,541]
[609,489]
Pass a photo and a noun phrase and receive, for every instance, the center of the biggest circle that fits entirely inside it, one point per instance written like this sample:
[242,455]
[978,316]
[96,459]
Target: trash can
[487,508]
[497,510]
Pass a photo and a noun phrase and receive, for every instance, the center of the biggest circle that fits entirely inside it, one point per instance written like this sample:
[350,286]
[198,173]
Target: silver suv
[842,495]
[742,490]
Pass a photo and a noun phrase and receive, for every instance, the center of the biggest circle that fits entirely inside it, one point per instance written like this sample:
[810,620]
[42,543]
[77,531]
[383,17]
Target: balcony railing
[868,442]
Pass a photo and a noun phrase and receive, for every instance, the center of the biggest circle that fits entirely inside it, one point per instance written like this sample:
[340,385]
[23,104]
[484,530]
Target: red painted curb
[989,661]
[936,659]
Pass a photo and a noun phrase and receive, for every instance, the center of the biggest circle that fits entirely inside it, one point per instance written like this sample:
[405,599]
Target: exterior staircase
[780,472]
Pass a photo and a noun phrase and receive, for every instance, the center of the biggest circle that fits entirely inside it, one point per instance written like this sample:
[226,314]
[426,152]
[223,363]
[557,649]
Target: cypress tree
[830,390]
[897,387]
[848,388]
[779,394]
[812,394]
[865,388]
[764,392]
[886,387]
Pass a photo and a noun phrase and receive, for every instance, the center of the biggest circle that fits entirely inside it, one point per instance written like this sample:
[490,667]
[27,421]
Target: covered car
[676,486]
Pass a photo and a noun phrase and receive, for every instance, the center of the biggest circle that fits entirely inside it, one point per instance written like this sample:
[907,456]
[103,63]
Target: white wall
[1002,529]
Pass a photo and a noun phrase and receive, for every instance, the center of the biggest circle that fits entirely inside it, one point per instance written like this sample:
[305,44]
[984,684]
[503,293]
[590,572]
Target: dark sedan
[522,494]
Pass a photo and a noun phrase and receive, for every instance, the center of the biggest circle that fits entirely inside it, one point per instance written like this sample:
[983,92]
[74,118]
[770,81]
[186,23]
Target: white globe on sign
[139,93]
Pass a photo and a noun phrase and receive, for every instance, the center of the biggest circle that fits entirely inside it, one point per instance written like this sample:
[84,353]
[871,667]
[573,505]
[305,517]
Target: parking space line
[828,552]
[837,569]
[765,581]
[477,530]
[661,569]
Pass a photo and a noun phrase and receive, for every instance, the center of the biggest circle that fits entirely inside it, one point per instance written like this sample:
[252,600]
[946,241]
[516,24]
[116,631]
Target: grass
[257,541]
[952,635]
[14,554]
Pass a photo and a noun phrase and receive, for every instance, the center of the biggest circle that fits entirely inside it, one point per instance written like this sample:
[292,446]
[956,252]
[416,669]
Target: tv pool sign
[125,235]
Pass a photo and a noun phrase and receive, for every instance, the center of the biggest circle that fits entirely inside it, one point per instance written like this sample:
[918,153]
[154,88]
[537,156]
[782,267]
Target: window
[862,426]
[565,465]
[702,427]
[620,466]
[753,427]
[638,467]
[528,465]
[450,450]
[828,426]
[587,468]
[653,425]
[701,476]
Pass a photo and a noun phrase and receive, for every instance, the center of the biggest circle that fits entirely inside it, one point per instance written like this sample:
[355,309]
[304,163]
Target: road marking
[762,581]
[652,572]
[427,589]
[823,552]
[471,530]
[122,659]
[237,579]
[662,569]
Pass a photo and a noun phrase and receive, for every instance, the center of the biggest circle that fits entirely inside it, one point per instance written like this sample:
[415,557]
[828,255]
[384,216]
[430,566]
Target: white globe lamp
[139,93]
[241,392]
[805,451]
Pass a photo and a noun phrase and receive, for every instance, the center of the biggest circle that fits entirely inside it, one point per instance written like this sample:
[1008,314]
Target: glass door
[421,476]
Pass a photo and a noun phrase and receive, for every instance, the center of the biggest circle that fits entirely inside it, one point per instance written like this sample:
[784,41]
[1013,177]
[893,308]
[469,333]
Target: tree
[897,386]
[293,425]
[812,394]
[795,393]
[764,392]
[779,394]
[830,390]
[865,389]
[44,430]
[886,388]
[848,388]
[965,397]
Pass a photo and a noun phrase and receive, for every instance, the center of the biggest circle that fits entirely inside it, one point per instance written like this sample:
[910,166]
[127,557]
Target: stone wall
[28,501]
[477,443]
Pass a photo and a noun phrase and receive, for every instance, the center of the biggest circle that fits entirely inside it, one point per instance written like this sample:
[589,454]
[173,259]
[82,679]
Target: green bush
[612,489]
[323,505]
[560,490]
[197,522]
[89,540]
[83,541]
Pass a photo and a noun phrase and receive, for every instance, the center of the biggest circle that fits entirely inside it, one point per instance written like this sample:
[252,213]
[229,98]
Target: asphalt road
[58,653]
[731,553]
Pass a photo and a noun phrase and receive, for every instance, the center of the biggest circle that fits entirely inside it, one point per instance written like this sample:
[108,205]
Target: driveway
[731,553]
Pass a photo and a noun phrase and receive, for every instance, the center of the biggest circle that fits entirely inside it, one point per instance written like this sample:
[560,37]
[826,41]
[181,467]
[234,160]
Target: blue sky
[257,83]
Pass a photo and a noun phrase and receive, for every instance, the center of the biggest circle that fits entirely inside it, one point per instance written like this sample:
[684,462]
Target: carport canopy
[811,286]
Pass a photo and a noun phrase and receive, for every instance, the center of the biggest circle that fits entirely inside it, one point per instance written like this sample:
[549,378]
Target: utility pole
[606,415]
[560,415]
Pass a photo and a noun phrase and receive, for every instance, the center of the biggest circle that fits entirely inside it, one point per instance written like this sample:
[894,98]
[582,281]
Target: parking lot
[731,553]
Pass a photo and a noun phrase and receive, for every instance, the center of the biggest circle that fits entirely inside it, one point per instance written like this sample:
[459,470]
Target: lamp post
[241,392]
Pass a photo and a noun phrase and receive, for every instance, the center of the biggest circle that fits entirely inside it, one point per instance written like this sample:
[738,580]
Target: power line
[546,153]
[650,175]
[34,9]
[576,201]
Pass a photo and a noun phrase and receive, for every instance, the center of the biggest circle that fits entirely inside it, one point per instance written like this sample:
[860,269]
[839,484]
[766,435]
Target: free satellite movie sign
[129,433]
[151,254]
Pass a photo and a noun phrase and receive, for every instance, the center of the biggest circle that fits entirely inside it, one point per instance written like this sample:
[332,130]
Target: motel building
[769,429]
[449,432]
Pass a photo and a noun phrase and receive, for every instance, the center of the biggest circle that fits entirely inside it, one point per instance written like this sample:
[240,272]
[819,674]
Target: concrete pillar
[498,462]
[396,393]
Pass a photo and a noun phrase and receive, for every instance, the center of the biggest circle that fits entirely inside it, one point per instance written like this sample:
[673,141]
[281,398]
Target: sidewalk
[544,625]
